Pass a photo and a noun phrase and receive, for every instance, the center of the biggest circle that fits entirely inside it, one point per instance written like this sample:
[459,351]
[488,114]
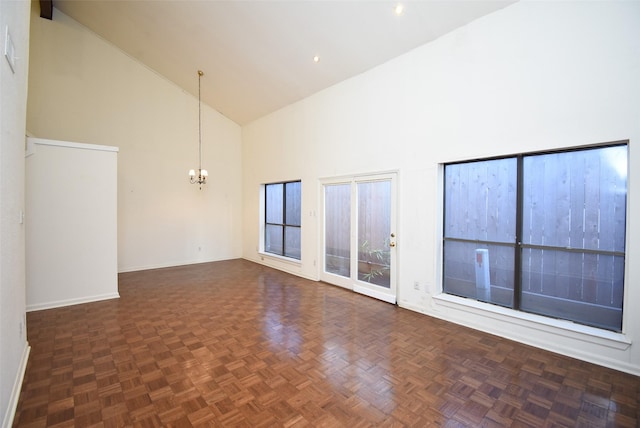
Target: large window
[541,233]
[282,219]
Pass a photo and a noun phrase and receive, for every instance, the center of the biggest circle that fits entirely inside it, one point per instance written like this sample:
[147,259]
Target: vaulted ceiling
[258,55]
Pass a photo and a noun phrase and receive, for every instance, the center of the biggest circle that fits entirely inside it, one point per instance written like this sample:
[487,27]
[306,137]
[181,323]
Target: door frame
[352,283]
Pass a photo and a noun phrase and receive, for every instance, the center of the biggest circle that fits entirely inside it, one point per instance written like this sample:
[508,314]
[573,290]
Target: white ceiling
[257,55]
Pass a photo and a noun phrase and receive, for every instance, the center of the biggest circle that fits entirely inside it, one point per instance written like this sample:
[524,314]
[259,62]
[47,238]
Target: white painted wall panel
[14,349]
[71,221]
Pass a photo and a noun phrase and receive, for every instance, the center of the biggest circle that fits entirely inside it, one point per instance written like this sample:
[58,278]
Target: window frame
[519,246]
[284,225]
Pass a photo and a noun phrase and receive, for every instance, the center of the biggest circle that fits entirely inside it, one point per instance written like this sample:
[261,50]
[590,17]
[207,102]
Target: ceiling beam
[46,9]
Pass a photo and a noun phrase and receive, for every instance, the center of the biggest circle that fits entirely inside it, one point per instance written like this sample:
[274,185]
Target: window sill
[289,260]
[550,325]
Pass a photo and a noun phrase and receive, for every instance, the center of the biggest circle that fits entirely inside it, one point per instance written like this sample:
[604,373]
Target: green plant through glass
[376,262]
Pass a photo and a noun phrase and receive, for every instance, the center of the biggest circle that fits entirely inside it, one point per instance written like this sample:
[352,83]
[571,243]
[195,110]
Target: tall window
[282,219]
[541,233]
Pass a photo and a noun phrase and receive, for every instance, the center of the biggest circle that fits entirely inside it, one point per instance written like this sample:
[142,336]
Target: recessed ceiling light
[316,58]
[399,9]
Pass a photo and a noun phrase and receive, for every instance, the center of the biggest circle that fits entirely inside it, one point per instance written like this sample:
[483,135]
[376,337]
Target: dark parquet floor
[235,344]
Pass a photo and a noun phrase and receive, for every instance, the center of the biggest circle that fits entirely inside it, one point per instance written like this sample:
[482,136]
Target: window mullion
[517,268]
[284,218]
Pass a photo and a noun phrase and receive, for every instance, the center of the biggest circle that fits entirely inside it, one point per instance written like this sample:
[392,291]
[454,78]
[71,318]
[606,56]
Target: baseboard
[281,265]
[17,387]
[170,265]
[69,302]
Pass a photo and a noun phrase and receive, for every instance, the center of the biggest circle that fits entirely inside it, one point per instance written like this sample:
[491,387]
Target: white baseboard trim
[69,302]
[139,268]
[17,387]
[294,268]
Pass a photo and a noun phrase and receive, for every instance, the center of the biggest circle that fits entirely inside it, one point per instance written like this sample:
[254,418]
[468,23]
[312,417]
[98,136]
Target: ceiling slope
[258,55]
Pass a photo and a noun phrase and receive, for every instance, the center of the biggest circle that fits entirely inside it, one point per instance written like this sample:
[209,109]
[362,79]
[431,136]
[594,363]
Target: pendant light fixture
[200,177]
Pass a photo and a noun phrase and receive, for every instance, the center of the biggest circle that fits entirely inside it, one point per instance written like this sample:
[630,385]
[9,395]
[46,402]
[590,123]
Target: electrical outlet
[416,285]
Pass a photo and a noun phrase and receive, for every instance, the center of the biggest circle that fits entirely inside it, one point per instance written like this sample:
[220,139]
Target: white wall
[84,89]
[71,223]
[13,104]
[533,76]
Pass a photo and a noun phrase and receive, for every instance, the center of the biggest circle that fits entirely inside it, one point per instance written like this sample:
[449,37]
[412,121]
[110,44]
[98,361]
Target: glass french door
[359,234]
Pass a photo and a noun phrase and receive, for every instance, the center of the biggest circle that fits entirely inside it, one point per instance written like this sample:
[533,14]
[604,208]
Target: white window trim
[290,260]
[588,334]
[261,251]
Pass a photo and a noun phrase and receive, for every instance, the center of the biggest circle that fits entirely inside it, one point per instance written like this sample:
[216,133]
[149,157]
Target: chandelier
[199,177]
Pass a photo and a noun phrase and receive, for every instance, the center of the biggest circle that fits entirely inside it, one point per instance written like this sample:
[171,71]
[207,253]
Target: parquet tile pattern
[236,344]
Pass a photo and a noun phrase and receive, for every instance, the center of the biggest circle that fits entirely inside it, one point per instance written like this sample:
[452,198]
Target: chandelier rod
[200,73]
